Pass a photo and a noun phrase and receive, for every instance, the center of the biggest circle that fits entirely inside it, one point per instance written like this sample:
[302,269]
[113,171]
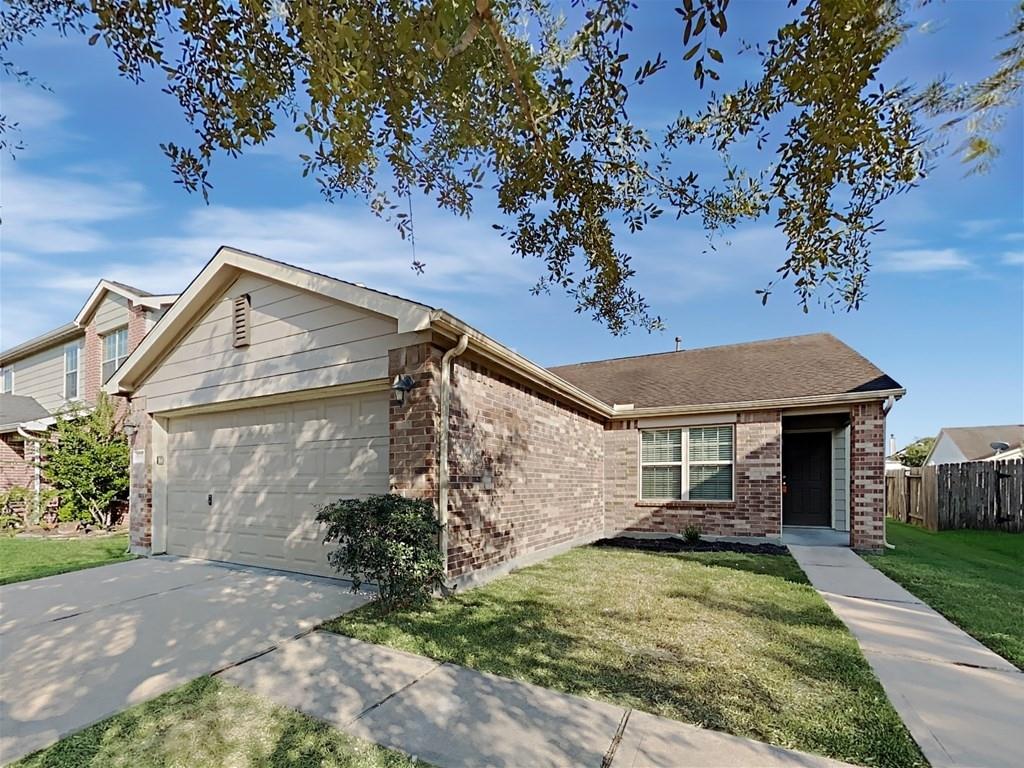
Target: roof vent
[240,320]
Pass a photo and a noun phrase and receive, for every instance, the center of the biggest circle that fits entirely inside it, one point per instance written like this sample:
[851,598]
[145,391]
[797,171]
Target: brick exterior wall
[867,476]
[529,474]
[412,452]
[136,325]
[526,472]
[757,506]
[92,359]
[15,462]
[140,494]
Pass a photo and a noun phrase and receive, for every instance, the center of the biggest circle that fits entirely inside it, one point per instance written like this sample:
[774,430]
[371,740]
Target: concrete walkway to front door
[453,716]
[82,646]
[963,704]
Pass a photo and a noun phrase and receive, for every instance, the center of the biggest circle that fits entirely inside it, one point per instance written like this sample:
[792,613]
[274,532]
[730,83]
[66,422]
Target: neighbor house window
[8,381]
[115,350]
[71,371]
[693,463]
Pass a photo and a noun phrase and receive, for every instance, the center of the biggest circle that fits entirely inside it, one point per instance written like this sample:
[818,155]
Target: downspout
[886,407]
[442,444]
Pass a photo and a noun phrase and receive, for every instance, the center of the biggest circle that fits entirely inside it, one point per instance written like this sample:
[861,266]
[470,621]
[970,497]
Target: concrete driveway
[82,646]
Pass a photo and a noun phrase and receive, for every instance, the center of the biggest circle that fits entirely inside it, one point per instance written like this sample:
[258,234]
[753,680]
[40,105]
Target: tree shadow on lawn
[795,678]
[207,723]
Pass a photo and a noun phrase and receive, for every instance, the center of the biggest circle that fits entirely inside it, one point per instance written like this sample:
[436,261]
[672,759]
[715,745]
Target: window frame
[118,360]
[684,464]
[77,347]
[4,373]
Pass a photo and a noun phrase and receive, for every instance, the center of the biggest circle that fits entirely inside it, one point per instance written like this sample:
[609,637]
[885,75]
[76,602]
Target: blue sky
[92,196]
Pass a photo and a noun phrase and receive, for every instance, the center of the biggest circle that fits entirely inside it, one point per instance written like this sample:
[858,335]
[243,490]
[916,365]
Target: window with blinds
[71,371]
[115,351]
[710,465]
[694,464]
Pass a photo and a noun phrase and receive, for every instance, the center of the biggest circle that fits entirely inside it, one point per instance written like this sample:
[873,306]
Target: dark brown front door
[807,478]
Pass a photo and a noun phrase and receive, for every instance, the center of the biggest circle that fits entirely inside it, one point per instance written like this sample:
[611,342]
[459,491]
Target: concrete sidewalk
[78,647]
[453,716]
[963,704]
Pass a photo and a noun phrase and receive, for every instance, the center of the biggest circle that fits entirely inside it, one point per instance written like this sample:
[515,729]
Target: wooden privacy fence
[977,494]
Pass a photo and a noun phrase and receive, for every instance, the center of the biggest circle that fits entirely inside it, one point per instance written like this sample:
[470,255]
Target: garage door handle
[209,499]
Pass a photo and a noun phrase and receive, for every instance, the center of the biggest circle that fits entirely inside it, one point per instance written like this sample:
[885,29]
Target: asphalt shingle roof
[17,409]
[976,442]
[795,366]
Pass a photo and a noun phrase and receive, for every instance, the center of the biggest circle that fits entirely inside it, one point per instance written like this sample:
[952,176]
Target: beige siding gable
[111,314]
[41,376]
[298,340]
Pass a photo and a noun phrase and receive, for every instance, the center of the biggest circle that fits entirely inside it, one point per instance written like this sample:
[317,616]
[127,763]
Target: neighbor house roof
[976,442]
[18,409]
[795,367]
[65,332]
[133,294]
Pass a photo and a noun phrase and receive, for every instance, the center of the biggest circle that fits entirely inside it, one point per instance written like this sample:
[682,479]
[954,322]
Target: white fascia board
[758,405]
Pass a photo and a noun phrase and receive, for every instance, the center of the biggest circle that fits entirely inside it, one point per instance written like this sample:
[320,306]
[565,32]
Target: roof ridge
[756,342]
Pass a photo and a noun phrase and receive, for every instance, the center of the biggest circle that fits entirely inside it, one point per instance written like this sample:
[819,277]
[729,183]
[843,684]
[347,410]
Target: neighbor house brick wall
[526,472]
[867,476]
[137,322]
[15,462]
[757,506]
[92,359]
[140,496]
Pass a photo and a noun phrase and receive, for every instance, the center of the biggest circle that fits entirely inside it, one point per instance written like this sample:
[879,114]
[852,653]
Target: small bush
[691,534]
[387,539]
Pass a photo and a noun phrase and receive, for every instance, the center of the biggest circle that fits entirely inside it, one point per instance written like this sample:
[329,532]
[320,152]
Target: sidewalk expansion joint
[609,756]
[392,695]
[260,654]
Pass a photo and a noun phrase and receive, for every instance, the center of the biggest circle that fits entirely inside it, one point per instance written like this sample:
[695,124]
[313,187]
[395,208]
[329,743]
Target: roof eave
[493,350]
[47,340]
[843,398]
[150,302]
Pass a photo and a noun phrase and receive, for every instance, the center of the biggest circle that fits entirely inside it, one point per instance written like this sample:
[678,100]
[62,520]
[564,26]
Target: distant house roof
[18,409]
[776,369]
[65,332]
[133,294]
[976,442]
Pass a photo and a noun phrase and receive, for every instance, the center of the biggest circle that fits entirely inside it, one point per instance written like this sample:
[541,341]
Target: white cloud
[1013,257]
[31,108]
[922,260]
[85,221]
[44,214]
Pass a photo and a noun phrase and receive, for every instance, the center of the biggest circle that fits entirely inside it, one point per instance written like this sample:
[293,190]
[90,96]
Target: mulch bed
[672,544]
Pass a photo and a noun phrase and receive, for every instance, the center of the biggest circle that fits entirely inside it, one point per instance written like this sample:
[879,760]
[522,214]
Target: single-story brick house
[267,389]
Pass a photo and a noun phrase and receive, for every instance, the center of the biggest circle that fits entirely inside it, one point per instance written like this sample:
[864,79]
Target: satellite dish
[999,446]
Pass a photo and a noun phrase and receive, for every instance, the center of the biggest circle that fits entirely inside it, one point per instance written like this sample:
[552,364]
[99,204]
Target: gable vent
[240,320]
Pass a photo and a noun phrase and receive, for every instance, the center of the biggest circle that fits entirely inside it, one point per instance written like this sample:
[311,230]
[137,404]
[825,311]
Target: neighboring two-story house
[46,375]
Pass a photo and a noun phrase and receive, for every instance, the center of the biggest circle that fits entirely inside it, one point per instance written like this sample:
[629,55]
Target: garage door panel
[268,469]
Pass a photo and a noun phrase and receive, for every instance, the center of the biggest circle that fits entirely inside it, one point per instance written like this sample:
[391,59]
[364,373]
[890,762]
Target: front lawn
[24,559]
[210,724]
[973,578]
[729,641]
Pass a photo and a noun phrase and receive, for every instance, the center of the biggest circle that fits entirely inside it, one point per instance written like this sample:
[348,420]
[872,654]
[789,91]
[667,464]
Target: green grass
[210,724]
[734,642]
[973,578]
[24,559]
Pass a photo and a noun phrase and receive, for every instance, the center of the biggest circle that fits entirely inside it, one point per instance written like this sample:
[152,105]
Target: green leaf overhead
[530,101]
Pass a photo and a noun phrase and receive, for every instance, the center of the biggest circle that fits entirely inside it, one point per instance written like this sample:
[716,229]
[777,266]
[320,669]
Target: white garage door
[243,486]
